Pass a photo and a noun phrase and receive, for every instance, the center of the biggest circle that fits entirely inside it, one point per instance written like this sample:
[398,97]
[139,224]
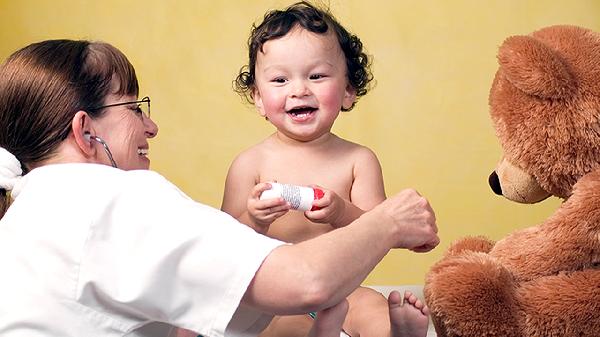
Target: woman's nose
[151,128]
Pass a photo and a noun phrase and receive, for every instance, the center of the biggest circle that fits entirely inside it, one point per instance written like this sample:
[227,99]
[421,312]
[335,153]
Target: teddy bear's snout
[495,183]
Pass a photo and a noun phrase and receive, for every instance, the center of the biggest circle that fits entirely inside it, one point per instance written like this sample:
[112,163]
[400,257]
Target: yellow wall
[426,118]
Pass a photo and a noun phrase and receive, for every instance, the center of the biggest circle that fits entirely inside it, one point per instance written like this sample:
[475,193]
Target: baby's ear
[258,103]
[349,97]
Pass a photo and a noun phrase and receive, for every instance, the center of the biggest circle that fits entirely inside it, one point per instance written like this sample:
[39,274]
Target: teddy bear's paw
[471,295]
[470,243]
[566,305]
[467,245]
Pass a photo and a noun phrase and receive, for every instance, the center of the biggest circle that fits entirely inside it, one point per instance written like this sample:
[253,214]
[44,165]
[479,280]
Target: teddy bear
[542,280]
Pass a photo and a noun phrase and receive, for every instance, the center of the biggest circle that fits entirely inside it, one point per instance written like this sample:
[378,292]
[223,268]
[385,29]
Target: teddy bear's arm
[470,243]
[567,241]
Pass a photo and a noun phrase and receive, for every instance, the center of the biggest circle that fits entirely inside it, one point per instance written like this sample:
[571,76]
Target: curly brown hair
[278,23]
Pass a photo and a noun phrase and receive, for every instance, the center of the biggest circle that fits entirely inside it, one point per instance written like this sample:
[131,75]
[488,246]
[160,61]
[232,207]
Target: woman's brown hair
[44,84]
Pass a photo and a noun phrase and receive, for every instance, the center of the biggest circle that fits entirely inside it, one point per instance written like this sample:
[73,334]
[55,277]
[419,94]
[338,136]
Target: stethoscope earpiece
[89,138]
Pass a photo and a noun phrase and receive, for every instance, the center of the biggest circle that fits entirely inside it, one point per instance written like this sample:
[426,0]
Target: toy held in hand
[299,197]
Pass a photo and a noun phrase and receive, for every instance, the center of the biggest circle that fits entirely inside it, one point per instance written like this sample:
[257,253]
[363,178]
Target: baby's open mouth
[302,111]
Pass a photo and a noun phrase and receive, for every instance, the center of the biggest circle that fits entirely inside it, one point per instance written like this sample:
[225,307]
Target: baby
[304,68]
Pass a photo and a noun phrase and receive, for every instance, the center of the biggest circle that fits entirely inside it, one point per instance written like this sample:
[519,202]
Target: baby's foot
[328,322]
[409,316]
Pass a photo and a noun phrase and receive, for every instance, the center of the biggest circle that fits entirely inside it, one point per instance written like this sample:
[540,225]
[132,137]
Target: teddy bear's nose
[495,183]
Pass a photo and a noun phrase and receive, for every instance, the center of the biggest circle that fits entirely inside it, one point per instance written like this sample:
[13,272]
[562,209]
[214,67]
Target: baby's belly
[294,227]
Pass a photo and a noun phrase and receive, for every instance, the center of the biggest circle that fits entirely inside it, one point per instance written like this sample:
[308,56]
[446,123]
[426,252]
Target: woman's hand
[413,220]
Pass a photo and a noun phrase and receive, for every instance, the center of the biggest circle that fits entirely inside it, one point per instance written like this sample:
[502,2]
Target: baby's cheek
[274,101]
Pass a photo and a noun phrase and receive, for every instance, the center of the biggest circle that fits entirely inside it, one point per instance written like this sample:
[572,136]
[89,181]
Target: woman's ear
[349,97]
[82,131]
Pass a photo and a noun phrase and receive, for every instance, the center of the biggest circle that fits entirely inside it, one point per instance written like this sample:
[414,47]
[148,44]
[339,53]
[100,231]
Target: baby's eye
[279,80]
[317,76]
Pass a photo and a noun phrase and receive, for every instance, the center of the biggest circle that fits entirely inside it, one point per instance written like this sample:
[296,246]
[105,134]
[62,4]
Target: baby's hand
[328,209]
[264,212]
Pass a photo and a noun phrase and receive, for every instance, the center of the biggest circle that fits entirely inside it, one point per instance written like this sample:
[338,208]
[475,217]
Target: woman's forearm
[320,272]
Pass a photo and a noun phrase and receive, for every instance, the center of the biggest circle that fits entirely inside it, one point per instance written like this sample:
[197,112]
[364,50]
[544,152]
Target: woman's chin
[144,163]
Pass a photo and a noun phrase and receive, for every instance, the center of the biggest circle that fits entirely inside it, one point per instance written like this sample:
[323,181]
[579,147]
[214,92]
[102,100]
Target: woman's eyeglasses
[141,107]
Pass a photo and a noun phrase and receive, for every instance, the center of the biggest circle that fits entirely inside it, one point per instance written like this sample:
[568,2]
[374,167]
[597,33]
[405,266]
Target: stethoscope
[89,138]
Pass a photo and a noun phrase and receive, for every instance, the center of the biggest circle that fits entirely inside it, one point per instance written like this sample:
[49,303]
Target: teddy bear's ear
[535,69]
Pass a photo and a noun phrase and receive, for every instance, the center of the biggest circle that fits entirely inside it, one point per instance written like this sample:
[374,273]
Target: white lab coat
[89,250]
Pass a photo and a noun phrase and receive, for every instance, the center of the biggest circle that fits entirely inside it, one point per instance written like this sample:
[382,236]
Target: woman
[95,244]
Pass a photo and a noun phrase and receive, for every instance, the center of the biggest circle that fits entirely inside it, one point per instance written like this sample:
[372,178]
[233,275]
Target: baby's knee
[366,296]
[368,314]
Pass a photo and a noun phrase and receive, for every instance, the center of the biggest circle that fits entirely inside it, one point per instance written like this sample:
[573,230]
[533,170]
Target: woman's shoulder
[97,179]
[97,174]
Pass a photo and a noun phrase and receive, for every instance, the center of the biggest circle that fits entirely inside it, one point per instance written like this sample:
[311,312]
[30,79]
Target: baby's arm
[367,189]
[366,192]
[241,196]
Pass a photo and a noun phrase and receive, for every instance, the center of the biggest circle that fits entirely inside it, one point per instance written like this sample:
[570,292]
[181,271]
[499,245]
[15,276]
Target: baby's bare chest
[332,172]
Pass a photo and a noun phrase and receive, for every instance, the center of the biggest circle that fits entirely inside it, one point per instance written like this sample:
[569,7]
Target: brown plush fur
[542,280]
